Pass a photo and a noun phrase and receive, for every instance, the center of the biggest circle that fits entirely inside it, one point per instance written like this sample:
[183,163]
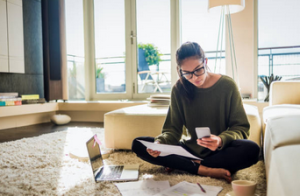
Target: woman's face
[194,70]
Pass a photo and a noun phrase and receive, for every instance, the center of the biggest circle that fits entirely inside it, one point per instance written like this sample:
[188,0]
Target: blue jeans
[239,154]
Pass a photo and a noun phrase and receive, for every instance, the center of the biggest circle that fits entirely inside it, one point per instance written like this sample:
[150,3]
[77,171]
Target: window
[75,49]
[278,40]
[128,45]
[154,40]
[110,53]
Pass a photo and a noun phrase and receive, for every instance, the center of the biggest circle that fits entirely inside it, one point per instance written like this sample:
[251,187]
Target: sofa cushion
[280,110]
[280,131]
[284,92]
[284,171]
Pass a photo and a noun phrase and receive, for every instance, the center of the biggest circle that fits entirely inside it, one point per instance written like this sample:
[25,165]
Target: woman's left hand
[212,142]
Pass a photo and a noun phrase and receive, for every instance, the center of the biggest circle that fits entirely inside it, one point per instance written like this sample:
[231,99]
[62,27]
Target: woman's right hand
[154,153]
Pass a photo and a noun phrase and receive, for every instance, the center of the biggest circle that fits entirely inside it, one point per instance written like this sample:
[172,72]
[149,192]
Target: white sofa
[282,139]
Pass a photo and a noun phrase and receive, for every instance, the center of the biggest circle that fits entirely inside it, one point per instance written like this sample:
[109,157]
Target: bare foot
[169,170]
[215,173]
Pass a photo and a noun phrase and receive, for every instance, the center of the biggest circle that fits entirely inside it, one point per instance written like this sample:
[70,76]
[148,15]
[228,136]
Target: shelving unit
[8,111]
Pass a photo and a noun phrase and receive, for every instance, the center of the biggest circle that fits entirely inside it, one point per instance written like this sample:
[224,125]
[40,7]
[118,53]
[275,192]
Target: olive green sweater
[218,107]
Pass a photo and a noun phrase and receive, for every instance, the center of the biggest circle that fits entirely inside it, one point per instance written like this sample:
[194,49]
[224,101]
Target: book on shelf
[8,94]
[33,96]
[10,101]
[33,101]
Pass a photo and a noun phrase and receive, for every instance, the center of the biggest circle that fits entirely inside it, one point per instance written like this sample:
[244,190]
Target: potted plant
[100,79]
[267,80]
[148,54]
[151,53]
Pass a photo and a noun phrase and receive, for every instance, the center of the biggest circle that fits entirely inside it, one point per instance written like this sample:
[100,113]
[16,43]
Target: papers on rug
[190,189]
[168,149]
[145,187]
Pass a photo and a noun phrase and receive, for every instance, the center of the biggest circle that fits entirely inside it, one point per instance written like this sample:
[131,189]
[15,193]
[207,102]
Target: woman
[203,99]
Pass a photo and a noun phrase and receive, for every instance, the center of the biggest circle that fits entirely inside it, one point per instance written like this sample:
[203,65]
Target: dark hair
[187,50]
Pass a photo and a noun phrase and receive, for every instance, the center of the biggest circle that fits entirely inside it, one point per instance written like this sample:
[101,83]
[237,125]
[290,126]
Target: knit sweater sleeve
[238,125]
[173,126]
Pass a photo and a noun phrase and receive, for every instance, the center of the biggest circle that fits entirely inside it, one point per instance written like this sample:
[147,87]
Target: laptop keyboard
[111,172]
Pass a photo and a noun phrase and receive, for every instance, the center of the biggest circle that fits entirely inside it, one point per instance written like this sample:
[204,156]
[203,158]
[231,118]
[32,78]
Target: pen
[202,189]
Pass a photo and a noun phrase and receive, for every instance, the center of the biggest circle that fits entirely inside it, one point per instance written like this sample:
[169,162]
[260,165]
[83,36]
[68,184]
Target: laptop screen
[95,155]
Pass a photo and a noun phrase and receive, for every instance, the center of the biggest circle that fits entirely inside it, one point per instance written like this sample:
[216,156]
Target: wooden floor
[12,134]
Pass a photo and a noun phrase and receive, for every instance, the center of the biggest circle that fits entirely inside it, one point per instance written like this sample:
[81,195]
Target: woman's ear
[178,71]
[206,66]
[205,63]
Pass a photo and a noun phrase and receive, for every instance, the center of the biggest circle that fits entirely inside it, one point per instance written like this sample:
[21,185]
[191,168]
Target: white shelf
[6,111]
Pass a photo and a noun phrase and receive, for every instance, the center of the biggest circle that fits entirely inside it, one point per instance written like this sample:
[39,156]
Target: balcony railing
[281,61]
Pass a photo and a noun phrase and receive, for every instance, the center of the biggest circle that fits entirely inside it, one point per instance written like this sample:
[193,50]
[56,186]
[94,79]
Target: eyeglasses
[197,72]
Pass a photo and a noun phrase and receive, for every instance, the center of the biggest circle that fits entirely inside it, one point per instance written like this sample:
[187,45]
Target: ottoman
[255,123]
[122,126]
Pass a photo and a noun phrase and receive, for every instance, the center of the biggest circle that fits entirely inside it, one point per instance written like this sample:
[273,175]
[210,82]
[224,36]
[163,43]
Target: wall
[245,43]
[32,81]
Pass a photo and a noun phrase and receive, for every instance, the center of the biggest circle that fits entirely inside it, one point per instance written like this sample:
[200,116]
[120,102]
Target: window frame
[131,64]
[131,52]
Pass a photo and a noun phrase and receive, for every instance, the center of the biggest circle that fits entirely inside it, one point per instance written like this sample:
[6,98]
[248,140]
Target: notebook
[103,172]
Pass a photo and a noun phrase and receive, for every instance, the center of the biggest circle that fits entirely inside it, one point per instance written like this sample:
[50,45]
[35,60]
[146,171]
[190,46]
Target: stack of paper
[190,189]
[162,188]
[145,187]
[159,100]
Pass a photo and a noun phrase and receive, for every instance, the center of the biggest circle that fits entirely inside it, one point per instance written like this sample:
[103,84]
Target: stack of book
[32,99]
[159,100]
[8,99]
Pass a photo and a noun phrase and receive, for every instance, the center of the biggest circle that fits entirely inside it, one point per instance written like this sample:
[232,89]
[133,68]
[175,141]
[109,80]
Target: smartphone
[202,132]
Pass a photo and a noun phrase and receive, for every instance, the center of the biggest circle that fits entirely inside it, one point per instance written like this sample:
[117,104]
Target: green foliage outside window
[99,72]
[152,54]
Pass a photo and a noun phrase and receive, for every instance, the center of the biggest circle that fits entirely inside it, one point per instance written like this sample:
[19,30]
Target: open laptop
[112,172]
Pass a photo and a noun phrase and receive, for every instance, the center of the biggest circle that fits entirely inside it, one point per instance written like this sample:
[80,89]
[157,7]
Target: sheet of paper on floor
[144,187]
[190,189]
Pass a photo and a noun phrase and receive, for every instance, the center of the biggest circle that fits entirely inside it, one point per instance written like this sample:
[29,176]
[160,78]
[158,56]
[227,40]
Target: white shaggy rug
[42,166]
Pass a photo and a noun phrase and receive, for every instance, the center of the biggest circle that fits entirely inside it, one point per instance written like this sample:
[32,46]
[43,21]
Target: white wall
[245,43]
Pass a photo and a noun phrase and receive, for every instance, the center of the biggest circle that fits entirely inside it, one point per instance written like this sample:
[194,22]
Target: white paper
[142,188]
[190,189]
[169,149]
[202,132]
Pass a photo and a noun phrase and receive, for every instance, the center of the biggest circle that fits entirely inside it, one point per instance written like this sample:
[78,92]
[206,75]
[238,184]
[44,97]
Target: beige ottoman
[255,124]
[124,125]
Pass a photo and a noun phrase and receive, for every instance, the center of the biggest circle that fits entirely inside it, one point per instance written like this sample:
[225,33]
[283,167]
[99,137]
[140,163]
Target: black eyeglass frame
[193,72]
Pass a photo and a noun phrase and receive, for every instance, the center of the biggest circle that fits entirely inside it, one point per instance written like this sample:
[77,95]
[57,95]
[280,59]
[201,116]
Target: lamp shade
[234,5]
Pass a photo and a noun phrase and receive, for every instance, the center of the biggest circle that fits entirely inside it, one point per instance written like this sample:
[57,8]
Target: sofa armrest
[284,92]
[280,131]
